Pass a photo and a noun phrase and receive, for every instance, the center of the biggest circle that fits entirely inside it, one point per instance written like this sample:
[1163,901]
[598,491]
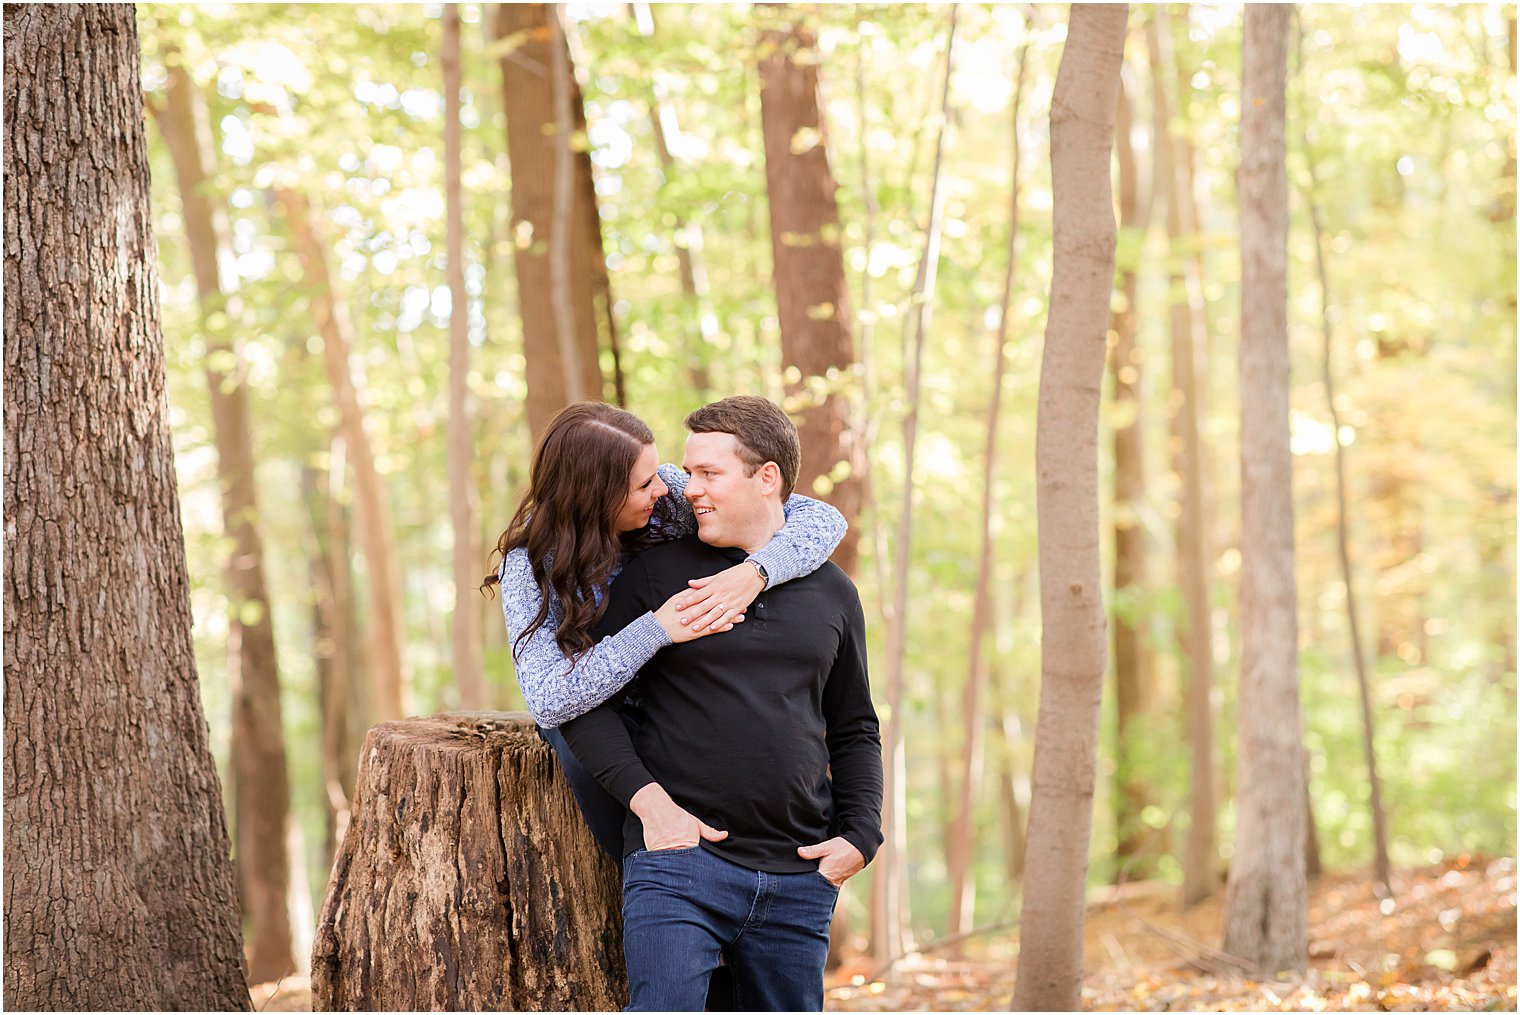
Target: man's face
[732,507]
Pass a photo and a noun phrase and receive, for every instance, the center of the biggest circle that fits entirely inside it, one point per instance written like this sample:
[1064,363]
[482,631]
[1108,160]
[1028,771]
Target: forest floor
[1445,943]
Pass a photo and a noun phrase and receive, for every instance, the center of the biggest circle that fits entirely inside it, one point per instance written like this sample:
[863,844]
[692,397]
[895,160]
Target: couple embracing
[700,670]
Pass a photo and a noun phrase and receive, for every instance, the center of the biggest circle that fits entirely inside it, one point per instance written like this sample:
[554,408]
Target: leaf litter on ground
[1445,941]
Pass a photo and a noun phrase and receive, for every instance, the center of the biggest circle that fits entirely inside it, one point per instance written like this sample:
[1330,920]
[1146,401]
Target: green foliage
[1408,115]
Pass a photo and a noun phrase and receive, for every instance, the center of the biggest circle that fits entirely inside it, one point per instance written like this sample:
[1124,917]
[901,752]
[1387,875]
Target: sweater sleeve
[802,545]
[555,687]
[600,739]
[854,740]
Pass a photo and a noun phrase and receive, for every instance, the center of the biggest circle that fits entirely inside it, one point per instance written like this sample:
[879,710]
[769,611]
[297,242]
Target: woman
[597,494]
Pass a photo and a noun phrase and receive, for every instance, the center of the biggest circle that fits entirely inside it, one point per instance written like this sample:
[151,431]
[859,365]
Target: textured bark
[1138,845]
[468,879]
[1266,912]
[262,823]
[562,355]
[392,697]
[812,298]
[891,936]
[1074,641]
[963,834]
[119,886]
[1189,376]
[469,666]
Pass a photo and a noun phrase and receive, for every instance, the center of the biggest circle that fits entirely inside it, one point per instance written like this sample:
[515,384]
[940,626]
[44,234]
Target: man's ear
[770,478]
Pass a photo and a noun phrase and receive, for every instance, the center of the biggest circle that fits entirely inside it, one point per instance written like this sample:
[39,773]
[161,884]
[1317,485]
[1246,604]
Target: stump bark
[467,879]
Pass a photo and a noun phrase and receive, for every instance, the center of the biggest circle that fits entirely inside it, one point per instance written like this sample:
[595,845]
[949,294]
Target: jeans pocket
[676,851]
[820,877]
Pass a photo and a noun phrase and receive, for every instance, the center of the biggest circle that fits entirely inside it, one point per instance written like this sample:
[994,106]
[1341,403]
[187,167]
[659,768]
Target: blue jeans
[682,906]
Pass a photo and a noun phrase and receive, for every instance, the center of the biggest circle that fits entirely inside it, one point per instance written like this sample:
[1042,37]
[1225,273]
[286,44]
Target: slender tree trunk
[1010,804]
[1313,867]
[261,811]
[561,274]
[1185,315]
[812,298]
[594,259]
[1382,881]
[388,671]
[870,502]
[1266,919]
[119,886]
[1137,846]
[891,936]
[1073,641]
[689,244]
[332,635]
[963,835]
[867,322]
[469,667]
[1189,200]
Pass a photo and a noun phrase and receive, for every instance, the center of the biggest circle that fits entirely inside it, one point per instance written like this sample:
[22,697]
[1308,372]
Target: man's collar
[733,553]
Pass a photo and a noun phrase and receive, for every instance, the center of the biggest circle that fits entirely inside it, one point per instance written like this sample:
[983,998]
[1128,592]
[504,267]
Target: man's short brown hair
[762,431]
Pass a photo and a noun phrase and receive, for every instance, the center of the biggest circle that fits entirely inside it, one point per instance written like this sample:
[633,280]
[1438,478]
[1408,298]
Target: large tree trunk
[817,347]
[261,798]
[469,666]
[1266,919]
[119,884]
[963,833]
[1074,642]
[1137,844]
[468,879]
[1189,380]
[891,935]
[562,288]
[391,678]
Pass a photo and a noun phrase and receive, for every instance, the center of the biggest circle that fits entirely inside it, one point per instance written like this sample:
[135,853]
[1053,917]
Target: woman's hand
[681,628]
[721,598]
[668,825]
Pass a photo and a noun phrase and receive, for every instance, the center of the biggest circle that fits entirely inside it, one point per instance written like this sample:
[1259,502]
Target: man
[752,764]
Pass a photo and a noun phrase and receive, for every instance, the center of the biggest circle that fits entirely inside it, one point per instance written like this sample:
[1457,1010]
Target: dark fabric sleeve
[600,739]
[854,739]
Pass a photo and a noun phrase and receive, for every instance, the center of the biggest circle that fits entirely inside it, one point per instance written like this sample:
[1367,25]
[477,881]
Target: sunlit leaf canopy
[1406,114]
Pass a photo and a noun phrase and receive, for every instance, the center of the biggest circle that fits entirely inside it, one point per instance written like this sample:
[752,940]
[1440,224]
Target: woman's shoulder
[516,573]
[515,562]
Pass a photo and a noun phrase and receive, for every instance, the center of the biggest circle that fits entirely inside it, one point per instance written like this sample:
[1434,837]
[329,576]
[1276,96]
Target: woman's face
[644,489]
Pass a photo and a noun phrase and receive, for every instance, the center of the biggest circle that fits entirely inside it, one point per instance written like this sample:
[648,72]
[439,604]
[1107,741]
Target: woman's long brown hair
[578,485]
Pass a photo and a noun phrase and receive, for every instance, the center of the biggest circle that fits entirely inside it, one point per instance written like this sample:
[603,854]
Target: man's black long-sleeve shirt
[746,728]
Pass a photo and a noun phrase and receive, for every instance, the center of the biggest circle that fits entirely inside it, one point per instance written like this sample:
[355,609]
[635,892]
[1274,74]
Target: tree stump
[467,879]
